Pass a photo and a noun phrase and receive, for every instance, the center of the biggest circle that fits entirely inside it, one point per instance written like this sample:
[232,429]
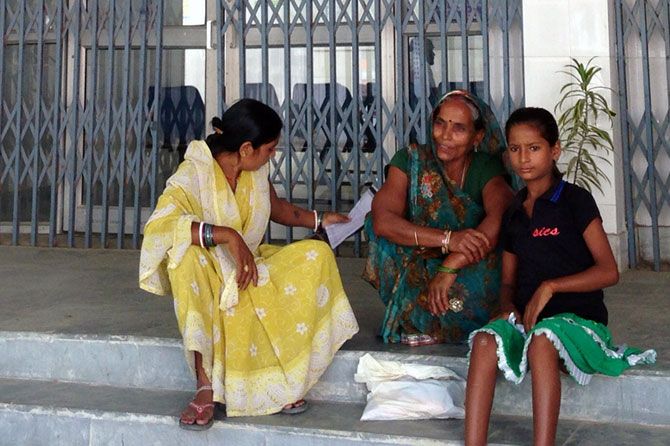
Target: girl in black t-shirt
[556,261]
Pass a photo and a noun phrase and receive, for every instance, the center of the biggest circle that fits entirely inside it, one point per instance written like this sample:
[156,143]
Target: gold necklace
[460,184]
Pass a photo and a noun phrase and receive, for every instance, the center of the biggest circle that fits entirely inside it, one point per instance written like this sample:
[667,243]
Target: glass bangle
[209,235]
[200,234]
[447,269]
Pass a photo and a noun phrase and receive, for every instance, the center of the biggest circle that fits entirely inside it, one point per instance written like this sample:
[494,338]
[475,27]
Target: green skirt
[584,346]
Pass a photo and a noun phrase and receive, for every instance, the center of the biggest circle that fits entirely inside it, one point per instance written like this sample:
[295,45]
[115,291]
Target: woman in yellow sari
[260,323]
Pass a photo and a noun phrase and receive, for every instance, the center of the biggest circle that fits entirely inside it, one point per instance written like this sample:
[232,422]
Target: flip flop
[296,408]
[417,339]
[199,409]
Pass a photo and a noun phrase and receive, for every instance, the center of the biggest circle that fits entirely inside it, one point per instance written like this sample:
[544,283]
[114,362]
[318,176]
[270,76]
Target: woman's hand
[244,260]
[438,293]
[473,244]
[536,304]
[333,217]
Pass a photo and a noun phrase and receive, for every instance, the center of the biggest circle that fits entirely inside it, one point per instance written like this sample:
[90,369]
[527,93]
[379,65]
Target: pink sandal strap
[200,408]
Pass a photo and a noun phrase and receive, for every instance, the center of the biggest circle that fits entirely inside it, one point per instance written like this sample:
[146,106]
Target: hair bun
[217,123]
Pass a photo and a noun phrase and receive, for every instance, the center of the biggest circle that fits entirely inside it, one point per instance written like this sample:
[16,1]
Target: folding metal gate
[90,128]
[643,50]
[77,130]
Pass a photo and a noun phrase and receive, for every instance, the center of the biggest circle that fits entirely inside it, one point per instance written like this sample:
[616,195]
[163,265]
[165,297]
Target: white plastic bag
[400,391]
[371,370]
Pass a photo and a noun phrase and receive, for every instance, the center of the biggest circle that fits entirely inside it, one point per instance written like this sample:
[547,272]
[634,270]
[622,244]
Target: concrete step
[55,413]
[642,395]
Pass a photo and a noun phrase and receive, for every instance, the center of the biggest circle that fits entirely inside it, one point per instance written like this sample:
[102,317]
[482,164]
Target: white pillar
[554,31]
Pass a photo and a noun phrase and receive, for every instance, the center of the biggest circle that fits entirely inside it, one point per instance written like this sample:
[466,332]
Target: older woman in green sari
[435,225]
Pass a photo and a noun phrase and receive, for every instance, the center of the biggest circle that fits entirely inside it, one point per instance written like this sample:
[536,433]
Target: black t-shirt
[550,244]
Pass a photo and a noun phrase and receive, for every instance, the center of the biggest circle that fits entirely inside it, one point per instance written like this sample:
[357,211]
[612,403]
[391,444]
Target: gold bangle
[416,239]
[445,242]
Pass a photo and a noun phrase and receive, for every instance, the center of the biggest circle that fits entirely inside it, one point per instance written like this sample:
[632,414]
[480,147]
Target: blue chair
[181,117]
[255,91]
[368,92]
[321,102]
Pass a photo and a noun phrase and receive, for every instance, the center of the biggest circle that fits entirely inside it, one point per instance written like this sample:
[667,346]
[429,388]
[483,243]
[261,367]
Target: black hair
[475,111]
[537,117]
[540,119]
[246,120]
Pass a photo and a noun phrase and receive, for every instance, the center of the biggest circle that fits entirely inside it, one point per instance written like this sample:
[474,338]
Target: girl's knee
[540,341]
[484,355]
[484,344]
[540,345]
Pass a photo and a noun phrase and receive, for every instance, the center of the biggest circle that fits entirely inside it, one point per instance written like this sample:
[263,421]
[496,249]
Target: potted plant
[584,142]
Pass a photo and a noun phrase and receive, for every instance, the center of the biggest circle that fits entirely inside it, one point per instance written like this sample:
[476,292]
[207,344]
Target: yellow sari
[263,347]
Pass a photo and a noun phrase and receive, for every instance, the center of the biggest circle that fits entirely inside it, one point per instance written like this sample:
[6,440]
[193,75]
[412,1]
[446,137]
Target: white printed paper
[338,232]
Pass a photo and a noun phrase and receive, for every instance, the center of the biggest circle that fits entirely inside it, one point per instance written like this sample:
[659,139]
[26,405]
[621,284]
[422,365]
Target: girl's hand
[244,260]
[536,304]
[333,217]
[438,293]
[473,244]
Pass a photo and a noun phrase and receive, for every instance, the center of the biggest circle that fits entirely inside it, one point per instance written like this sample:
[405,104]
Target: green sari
[402,273]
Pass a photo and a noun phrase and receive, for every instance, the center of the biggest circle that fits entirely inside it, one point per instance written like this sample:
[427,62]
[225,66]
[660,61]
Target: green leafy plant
[585,144]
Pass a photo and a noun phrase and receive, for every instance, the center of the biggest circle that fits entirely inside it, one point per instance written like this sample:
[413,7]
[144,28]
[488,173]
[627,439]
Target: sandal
[295,408]
[417,339]
[199,410]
